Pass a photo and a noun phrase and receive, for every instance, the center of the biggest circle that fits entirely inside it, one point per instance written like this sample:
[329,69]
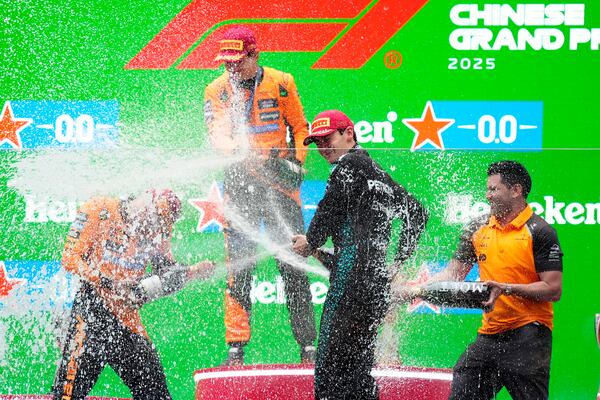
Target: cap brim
[229,56]
[311,138]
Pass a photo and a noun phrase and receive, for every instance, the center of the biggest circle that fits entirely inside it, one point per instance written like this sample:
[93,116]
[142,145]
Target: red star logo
[418,303]
[211,209]
[428,128]
[10,127]
[7,284]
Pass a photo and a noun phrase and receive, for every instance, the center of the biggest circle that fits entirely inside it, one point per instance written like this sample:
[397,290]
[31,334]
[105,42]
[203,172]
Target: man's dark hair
[512,173]
[341,131]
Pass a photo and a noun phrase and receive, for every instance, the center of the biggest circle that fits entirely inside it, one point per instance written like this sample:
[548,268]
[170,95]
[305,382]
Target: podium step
[47,397]
[284,382]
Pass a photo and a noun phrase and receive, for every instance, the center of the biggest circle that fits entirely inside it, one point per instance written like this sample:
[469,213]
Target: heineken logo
[461,209]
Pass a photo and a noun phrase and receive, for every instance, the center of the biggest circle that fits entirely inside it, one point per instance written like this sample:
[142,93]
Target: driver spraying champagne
[254,113]
[109,247]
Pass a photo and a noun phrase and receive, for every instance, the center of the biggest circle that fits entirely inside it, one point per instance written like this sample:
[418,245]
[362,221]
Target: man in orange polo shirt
[520,258]
[255,113]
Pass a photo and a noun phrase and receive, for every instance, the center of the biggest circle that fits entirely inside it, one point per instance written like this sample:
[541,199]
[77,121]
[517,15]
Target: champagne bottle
[456,294]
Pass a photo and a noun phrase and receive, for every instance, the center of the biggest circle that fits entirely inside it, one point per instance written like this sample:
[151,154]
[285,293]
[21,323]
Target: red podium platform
[284,382]
[46,397]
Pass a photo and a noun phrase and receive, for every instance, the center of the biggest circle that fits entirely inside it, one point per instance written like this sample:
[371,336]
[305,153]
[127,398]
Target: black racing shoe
[308,355]
[235,357]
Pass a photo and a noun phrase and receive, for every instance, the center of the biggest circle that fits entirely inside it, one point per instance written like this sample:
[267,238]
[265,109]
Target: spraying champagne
[455,294]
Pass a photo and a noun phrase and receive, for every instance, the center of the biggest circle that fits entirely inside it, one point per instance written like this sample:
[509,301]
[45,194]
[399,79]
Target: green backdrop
[61,50]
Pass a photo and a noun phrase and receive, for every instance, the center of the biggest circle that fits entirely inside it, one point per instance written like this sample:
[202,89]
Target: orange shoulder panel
[293,111]
[216,116]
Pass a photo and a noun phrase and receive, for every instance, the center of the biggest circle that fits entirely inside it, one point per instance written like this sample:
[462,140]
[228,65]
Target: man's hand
[496,289]
[202,270]
[301,246]
[122,287]
[125,291]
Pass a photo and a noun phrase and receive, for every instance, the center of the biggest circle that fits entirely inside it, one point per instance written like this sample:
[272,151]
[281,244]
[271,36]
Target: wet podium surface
[295,382]
[47,396]
[275,382]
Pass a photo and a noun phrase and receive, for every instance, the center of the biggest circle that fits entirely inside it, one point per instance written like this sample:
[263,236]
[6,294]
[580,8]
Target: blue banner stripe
[491,125]
[67,124]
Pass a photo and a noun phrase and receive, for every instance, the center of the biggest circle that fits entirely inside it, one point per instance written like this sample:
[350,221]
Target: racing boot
[308,355]
[235,357]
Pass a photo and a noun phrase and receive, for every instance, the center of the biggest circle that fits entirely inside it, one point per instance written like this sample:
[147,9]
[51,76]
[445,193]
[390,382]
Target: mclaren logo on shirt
[555,253]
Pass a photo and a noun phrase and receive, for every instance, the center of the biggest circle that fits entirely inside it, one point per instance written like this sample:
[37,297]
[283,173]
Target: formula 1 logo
[358,29]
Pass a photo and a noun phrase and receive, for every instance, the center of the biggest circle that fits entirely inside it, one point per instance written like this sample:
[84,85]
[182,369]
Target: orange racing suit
[105,325]
[268,113]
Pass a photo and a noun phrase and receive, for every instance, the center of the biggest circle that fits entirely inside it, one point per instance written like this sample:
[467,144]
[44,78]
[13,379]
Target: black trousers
[518,360]
[96,338]
[346,352]
[259,204]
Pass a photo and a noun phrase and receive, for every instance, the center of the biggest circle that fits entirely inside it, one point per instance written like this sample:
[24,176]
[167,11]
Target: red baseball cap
[236,43]
[327,122]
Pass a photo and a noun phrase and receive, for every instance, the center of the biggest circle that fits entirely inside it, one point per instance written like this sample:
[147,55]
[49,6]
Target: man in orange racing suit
[109,247]
[255,112]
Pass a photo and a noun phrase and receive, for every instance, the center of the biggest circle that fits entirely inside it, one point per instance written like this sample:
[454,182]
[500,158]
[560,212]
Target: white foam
[81,174]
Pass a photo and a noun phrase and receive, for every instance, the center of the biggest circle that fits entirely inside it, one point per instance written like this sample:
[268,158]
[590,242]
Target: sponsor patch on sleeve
[555,253]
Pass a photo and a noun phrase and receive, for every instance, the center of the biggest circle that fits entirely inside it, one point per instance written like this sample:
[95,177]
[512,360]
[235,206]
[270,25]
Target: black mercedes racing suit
[357,210]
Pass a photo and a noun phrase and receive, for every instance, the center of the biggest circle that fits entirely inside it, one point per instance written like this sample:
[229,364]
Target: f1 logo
[360,27]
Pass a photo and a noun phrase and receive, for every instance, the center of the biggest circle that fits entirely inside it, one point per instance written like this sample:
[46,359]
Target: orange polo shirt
[514,254]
